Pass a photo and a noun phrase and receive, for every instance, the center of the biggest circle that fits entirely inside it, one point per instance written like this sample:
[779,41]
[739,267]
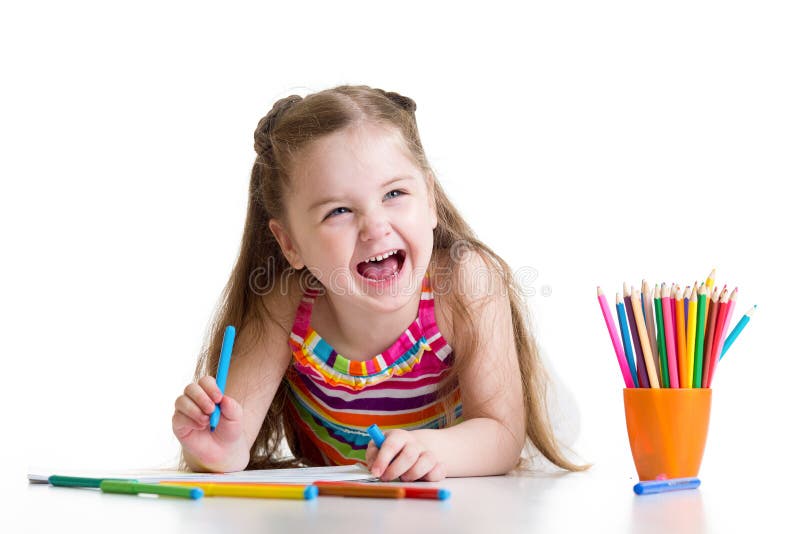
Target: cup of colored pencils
[668,342]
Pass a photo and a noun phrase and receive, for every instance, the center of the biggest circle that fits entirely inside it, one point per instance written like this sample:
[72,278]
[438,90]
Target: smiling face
[357,194]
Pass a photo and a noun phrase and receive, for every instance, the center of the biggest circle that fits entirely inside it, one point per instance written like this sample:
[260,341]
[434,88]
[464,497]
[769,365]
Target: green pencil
[698,341]
[116,486]
[662,344]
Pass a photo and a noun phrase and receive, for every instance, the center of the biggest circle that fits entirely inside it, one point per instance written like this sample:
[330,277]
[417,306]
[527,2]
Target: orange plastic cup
[667,430]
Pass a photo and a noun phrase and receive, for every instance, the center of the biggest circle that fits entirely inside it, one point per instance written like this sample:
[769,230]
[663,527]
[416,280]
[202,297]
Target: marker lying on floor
[670,484]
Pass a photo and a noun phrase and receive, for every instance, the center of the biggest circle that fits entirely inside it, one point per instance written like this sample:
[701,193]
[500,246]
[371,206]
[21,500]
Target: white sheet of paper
[301,475]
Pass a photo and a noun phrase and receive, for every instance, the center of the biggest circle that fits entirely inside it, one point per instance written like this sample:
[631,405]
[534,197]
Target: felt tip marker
[376,435]
[222,370]
[671,484]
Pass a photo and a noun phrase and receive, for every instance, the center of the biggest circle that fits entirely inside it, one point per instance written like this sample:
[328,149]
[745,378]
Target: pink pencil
[669,336]
[723,318]
[615,340]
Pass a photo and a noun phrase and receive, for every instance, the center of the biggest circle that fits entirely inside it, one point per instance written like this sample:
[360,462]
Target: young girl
[361,296]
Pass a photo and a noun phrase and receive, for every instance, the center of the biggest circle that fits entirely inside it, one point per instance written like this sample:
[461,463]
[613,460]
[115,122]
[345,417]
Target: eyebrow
[329,200]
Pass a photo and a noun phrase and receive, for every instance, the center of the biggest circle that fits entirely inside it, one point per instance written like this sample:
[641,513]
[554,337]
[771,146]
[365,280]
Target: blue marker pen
[670,484]
[376,435]
[222,369]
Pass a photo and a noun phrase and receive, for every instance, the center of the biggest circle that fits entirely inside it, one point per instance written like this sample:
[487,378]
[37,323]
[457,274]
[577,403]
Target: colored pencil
[662,346]
[691,334]
[646,346]
[737,330]
[680,330]
[612,332]
[669,336]
[353,489]
[697,378]
[731,307]
[641,372]
[626,340]
[719,334]
[711,329]
[709,289]
[647,306]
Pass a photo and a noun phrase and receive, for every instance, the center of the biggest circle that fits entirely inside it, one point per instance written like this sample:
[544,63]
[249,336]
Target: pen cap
[667,429]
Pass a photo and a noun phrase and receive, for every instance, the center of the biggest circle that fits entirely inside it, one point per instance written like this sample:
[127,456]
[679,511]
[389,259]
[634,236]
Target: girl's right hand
[190,424]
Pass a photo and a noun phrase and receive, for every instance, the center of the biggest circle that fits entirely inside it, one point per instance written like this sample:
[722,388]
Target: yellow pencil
[710,289]
[680,327]
[645,340]
[261,491]
[691,333]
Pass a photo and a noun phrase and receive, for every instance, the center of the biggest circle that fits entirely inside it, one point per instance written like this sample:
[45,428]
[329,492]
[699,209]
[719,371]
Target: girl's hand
[401,455]
[190,424]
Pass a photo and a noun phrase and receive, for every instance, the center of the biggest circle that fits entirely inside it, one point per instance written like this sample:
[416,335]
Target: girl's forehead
[359,154]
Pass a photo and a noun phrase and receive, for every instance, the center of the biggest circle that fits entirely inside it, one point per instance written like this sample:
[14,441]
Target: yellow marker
[259,491]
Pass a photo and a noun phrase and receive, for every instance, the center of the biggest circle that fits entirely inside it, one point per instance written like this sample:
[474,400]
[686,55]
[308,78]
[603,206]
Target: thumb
[230,410]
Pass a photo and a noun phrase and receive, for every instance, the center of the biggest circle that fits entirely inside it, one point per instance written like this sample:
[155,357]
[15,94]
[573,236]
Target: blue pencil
[626,340]
[736,331]
[222,370]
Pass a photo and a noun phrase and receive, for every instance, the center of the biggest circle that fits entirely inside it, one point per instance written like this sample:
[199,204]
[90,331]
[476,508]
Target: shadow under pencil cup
[667,430]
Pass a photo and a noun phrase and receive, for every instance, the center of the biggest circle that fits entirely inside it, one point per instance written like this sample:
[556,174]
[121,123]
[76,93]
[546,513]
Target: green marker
[133,488]
[81,482]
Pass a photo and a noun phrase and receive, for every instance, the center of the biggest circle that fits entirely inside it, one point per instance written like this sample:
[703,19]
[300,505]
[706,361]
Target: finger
[190,409]
[392,445]
[436,474]
[200,397]
[182,426]
[424,465]
[402,462]
[209,385]
[372,452]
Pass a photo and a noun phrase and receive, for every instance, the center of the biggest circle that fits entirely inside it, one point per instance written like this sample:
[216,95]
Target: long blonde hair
[293,123]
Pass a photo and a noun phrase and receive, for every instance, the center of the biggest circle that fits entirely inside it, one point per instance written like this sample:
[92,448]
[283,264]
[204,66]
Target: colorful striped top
[333,399]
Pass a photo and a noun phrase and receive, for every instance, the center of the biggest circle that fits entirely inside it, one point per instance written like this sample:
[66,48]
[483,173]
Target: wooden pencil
[626,339]
[697,378]
[724,308]
[646,346]
[662,346]
[680,337]
[615,340]
[669,335]
[647,305]
[691,333]
[709,335]
[641,372]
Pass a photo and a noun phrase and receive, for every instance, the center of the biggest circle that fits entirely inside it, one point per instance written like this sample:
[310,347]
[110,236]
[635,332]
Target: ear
[286,243]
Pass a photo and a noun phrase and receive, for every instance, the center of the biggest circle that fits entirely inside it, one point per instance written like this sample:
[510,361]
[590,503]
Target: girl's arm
[491,437]
[253,379]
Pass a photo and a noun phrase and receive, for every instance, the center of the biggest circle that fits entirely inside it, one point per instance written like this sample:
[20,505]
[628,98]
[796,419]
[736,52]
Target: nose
[373,226]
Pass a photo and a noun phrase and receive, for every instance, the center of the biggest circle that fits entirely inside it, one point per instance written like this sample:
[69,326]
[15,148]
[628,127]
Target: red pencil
[713,310]
[719,337]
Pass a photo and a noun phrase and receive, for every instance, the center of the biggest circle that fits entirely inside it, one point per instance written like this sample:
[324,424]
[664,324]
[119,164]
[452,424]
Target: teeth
[383,256]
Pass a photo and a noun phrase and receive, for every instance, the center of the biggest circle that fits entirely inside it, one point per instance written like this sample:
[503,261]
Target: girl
[361,296]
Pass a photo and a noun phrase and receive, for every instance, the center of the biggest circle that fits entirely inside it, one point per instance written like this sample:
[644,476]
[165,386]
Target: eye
[335,211]
[399,193]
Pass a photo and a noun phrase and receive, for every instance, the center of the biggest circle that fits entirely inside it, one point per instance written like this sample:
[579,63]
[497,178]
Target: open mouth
[384,268]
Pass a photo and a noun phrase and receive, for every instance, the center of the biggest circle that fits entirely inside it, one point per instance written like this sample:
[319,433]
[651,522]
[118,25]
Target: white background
[596,142]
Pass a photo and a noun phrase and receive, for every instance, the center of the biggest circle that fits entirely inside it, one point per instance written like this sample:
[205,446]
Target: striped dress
[333,399]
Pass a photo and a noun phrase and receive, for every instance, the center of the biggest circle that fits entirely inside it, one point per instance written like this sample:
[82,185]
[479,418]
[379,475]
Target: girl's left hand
[401,455]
